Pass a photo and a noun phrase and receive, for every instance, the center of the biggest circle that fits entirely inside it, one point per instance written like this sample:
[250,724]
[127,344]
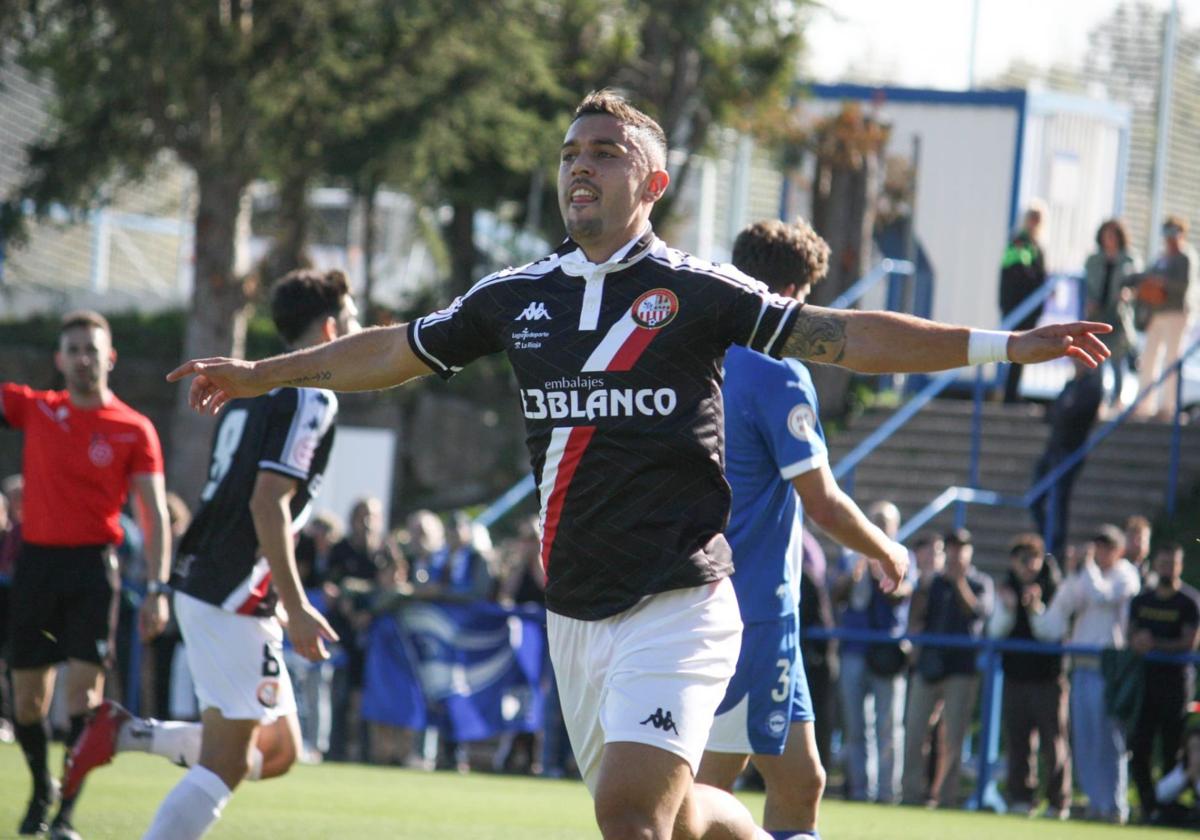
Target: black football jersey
[288,431]
[619,370]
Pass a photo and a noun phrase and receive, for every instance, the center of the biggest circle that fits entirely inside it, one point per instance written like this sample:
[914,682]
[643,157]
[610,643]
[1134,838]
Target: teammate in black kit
[616,341]
[234,563]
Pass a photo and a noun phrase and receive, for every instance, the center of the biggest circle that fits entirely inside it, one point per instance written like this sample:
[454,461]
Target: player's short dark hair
[84,318]
[777,253]
[305,295]
[608,101]
[1027,545]
[1176,221]
[1118,229]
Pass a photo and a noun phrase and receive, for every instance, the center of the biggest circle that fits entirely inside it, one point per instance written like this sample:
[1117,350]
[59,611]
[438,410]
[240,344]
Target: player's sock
[34,739]
[175,740]
[794,834]
[191,808]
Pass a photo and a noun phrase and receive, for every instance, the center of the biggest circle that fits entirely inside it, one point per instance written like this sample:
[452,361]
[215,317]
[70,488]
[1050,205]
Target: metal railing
[973,495]
[844,469]
[991,689]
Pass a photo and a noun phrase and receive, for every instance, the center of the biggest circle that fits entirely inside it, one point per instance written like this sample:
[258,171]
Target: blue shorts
[768,692]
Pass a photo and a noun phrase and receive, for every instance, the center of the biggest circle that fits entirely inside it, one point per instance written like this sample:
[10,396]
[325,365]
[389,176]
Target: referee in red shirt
[84,451]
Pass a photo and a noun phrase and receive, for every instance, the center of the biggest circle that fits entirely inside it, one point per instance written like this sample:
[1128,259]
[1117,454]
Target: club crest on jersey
[100,452]
[655,308]
[268,693]
[801,421]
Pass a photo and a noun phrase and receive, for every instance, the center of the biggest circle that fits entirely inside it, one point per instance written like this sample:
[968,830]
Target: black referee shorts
[63,605]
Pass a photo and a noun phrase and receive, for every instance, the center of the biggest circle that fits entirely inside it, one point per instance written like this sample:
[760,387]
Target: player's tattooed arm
[311,379]
[818,336]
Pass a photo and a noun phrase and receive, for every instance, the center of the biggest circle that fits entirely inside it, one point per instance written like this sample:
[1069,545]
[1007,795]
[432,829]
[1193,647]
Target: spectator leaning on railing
[956,602]
[1035,691]
[1162,620]
[1097,598]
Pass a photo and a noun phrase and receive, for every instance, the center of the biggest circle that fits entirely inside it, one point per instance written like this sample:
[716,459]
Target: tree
[206,81]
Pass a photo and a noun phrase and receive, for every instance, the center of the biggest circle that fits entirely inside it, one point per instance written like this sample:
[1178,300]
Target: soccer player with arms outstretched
[235,563]
[777,465]
[616,342]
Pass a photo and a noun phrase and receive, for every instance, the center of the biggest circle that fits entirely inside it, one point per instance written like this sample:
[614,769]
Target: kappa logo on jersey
[100,451]
[661,720]
[655,308]
[535,311]
[802,421]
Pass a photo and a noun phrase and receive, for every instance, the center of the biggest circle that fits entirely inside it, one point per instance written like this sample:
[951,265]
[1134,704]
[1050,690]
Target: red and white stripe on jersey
[247,594]
[621,347]
[567,445]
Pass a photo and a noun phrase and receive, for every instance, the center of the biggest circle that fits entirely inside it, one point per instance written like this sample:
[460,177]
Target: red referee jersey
[78,463]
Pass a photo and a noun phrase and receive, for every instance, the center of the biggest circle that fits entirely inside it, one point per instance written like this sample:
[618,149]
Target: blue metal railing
[991,690]
[844,469]
[894,270]
[971,495]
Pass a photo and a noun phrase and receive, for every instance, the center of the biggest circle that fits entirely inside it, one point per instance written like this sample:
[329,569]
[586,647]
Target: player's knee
[622,820]
[812,785]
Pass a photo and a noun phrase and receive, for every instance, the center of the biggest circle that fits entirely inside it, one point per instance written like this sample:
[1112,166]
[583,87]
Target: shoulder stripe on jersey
[567,445]
[789,472]
[429,358]
[732,276]
[762,310]
[770,345]
[531,271]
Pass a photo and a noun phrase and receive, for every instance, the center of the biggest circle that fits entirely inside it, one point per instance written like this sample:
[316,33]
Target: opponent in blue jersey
[778,467]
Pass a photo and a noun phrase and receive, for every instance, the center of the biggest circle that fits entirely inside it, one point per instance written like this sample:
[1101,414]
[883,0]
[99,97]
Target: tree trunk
[845,188]
[460,236]
[290,249]
[367,197]
[216,325]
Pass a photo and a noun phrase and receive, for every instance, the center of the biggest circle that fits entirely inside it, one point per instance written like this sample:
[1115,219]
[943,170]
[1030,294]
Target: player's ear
[329,329]
[112,358]
[657,184]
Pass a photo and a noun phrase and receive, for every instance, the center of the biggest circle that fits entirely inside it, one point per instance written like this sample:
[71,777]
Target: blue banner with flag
[475,669]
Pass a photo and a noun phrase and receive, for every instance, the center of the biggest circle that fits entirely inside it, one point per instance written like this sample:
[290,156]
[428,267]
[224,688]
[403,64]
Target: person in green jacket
[1109,272]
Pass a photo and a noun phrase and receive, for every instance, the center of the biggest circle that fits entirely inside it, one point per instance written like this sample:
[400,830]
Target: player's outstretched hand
[1053,341]
[216,382]
[309,631]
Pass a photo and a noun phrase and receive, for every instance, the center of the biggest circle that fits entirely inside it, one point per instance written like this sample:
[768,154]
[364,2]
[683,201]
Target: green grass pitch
[350,801]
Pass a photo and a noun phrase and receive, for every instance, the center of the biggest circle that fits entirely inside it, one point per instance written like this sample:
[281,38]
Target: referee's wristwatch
[158,587]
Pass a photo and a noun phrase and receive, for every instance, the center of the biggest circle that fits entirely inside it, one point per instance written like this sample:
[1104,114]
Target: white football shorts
[653,674]
[236,661]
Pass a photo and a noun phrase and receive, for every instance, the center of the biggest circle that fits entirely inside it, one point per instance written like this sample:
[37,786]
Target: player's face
[606,184]
[1168,565]
[1106,555]
[84,358]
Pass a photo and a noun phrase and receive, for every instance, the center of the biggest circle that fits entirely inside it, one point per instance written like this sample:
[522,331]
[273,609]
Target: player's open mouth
[583,195]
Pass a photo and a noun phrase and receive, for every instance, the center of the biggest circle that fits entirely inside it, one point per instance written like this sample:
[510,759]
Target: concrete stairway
[1127,474]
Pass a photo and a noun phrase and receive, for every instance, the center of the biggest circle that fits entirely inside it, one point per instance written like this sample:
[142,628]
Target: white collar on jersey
[576,264]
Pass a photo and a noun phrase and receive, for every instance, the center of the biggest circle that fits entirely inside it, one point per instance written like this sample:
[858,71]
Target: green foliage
[154,335]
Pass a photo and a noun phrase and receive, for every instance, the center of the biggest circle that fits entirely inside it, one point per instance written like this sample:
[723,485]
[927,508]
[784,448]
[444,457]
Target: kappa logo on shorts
[661,720]
[268,693]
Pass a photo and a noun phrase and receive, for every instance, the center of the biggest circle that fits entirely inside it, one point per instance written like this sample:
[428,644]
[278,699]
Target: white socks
[191,807]
[176,741]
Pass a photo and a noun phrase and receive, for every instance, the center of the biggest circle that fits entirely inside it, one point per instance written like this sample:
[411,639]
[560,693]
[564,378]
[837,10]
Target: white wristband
[985,346]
